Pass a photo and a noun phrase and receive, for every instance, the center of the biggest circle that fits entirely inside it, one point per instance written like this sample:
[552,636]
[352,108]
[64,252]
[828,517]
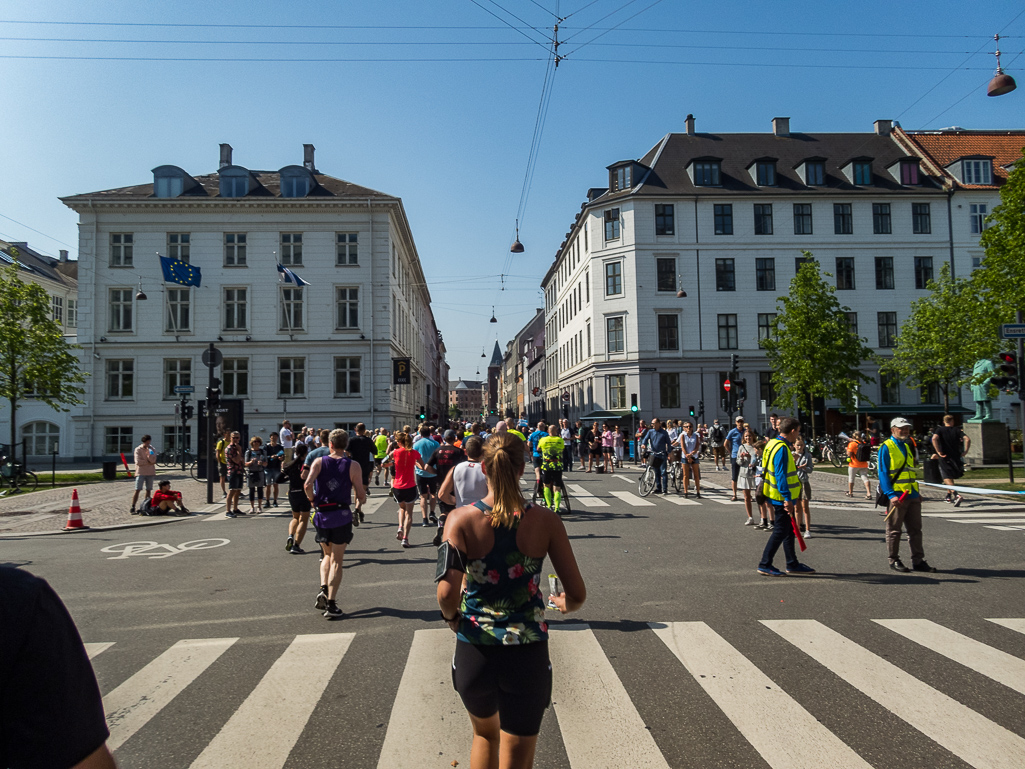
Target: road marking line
[131,705]
[1002,667]
[428,724]
[265,728]
[987,520]
[601,728]
[95,649]
[1006,528]
[680,500]
[1017,625]
[584,497]
[783,732]
[968,735]
[722,501]
[623,478]
[632,499]
[972,515]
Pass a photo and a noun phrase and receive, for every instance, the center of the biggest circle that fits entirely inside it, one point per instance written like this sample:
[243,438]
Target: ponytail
[503,464]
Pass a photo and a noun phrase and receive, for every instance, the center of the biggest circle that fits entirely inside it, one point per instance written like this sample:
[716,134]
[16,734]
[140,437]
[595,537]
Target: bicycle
[646,481]
[15,475]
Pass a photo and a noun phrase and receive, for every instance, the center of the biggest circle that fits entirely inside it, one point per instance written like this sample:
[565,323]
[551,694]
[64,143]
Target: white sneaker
[750,521]
[807,534]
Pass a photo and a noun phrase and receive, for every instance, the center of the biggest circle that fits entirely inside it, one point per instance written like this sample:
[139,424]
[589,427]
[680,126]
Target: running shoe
[433,519]
[398,534]
[355,519]
[133,511]
[229,514]
[290,542]
[806,534]
[296,550]
[800,569]
[769,571]
[749,522]
[425,524]
[697,494]
[321,603]
[377,480]
[437,539]
[332,611]
[361,516]
[405,542]
[958,500]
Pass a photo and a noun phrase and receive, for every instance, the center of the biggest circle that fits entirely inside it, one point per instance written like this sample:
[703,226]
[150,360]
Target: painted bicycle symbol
[158,550]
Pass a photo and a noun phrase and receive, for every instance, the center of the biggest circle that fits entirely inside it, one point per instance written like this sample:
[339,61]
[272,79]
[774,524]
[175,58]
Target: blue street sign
[1012,331]
[178,389]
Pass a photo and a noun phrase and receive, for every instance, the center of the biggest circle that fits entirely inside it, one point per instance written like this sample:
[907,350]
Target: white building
[39,428]
[725,218]
[321,353]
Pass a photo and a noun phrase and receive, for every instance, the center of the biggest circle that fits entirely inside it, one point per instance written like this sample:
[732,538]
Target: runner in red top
[404,460]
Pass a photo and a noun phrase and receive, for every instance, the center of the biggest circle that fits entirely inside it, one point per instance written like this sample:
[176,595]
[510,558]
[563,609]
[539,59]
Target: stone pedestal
[989,443]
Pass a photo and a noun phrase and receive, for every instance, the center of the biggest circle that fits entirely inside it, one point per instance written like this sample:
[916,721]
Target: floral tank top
[502,603]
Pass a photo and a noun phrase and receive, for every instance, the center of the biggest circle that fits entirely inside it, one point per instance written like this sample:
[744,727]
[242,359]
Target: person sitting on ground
[166,502]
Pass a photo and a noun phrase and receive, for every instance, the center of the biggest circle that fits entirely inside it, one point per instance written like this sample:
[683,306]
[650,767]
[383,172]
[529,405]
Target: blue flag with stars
[182,273]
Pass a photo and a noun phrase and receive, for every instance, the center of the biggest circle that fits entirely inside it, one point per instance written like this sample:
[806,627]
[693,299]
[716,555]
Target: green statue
[980,391]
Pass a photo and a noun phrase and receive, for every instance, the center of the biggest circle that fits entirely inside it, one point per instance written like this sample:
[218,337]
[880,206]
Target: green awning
[904,408]
[605,415]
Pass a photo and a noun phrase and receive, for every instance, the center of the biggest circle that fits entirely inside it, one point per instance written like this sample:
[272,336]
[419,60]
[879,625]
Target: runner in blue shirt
[532,439]
[733,440]
[427,481]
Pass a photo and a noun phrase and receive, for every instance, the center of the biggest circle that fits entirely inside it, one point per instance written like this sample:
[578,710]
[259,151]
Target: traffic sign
[212,357]
[726,385]
[1012,331]
[565,397]
[179,389]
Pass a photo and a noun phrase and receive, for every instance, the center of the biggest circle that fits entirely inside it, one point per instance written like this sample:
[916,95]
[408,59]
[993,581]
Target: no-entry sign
[726,385]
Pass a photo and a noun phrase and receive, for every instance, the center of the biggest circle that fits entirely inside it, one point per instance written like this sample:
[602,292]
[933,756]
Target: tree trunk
[946,397]
[14,430]
[811,413]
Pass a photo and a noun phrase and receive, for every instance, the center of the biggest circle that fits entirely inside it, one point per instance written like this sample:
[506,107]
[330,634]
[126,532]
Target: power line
[610,30]
[511,26]
[589,26]
[38,232]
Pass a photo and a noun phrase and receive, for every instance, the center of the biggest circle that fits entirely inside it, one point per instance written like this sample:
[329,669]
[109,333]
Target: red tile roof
[945,147]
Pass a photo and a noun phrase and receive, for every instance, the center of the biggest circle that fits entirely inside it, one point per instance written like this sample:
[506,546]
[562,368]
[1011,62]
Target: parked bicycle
[174,457]
[16,477]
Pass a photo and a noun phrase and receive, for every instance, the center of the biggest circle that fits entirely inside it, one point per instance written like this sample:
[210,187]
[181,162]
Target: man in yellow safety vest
[897,480]
[782,488]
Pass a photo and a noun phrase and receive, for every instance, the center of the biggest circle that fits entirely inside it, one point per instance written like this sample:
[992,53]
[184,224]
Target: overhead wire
[607,15]
[511,26]
[646,8]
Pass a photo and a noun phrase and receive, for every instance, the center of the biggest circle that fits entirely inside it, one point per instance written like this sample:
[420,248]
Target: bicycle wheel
[28,481]
[163,459]
[676,477]
[565,498]
[646,483]
[194,470]
[835,459]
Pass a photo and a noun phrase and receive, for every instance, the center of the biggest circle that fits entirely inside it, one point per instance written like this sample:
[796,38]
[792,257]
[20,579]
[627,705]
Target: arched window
[234,181]
[40,437]
[171,181]
[296,182]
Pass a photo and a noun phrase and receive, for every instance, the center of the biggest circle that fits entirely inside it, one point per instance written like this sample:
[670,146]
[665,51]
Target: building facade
[467,395]
[677,264]
[321,353]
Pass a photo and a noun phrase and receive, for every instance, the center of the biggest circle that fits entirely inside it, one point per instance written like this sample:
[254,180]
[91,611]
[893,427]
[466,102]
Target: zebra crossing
[427,725]
[997,521]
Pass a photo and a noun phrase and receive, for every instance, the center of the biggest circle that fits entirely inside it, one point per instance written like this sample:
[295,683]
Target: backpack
[863,452]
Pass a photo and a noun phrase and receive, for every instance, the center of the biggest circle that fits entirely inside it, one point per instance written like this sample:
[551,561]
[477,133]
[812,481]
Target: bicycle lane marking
[154,550]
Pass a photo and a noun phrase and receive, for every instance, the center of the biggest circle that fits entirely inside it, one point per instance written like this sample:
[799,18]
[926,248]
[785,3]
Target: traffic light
[733,362]
[701,409]
[189,412]
[692,411]
[213,392]
[740,388]
[422,413]
[1006,374]
[633,402]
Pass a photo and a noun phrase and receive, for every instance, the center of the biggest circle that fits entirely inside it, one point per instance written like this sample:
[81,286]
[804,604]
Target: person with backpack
[717,437]
[859,452]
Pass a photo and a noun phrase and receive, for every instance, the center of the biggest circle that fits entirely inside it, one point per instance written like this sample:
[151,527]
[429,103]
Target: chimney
[883,127]
[308,158]
[781,126]
[64,254]
[689,122]
[225,155]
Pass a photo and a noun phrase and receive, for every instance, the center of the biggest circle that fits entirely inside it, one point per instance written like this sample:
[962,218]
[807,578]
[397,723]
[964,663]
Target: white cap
[899,422]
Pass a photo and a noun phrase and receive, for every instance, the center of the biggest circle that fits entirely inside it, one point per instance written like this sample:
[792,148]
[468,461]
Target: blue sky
[452,138]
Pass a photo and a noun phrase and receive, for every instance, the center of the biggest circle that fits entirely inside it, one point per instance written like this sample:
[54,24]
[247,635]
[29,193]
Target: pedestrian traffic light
[213,392]
[633,402]
[740,389]
[189,412]
[701,409]
[1006,375]
[692,411]
[422,413]
[733,362]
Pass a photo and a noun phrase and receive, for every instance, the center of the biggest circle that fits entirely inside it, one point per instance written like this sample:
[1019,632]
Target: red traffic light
[1006,375]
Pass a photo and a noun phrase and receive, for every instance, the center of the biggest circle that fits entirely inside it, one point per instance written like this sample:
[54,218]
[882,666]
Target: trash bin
[110,471]
[931,470]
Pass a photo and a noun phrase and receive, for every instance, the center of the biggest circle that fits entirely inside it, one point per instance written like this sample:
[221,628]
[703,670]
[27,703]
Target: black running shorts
[513,681]
[338,535]
[427,485]
[537,462]
[298,501]
[408,496]
[236,480]
[551,477]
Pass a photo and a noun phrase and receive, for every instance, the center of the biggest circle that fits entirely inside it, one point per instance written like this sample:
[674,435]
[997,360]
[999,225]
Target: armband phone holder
[449,557]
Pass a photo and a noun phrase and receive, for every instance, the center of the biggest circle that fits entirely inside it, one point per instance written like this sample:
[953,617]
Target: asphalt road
[727,677]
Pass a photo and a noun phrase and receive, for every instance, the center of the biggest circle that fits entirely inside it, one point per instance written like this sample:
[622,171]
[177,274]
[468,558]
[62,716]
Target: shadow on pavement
[387,611]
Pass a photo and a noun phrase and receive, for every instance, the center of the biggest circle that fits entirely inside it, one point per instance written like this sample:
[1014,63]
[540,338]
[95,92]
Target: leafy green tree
[454,412]
[944,335]
[812,349]
[1000,278]
[35,358]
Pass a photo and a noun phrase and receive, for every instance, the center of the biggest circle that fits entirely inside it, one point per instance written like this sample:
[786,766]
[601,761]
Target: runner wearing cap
[898,481]
[734,438]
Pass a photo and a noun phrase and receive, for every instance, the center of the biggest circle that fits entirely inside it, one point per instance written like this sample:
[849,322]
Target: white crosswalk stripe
[584,497]
[428,725]
[680,500]
[632,499]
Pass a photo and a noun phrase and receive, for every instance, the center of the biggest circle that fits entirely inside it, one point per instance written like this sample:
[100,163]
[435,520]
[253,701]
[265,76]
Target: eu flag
[182,273]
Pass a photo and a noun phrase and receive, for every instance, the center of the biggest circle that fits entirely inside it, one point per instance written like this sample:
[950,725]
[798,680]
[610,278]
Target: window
[613,278]
[766,174]
[800,261]
[765,387]
[724,219]
[881,218]
[179,317]
[291,377]
[665,215]
[923,271]
[725,276]
[291,309]
[862,173]
[909,172]
[765,274]
[120,309]
[173,438]
[347,303]
[706,174]
[295,185]
[120,379]
[852,322]
[236,315]
[168,186]
[977,171]
[669,391]
[843,221]
[177,371]
[931,393]
[234,185]
[889,389]
[117,440]
[884,273]
[665,274]
[617,391]
[614,334]
[587,286]
[727,332]
[235,377]
[612,224]
[921,219]
[57,308]
[121,244]
[763,218]
[292,249]
[178,245]
[887,328]
[621,178]
[41,437]
[347,376]
[802,219]
[765,321]
[234,249]
[845,273]
[71,320]
[347,248]
[977,212]
[815,173]
[668,332]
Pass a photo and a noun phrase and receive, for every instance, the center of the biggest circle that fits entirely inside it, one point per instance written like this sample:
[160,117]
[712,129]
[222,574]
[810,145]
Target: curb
[160,520]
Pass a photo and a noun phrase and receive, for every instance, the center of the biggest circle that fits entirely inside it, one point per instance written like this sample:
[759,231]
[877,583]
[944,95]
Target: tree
[1000,276]
[35,359]
[812,349]
[927,351]
[454,412]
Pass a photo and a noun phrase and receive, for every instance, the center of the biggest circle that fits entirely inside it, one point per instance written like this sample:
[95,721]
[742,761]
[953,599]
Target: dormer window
[909,172]
[706,173]
[171,181]
[977,171]
[862,171]
[815,173]
[621,178]
[766,173]
[295,182]
[234,182]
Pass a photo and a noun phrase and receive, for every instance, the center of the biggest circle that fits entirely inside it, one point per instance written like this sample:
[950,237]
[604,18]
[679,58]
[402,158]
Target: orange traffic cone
[74,514]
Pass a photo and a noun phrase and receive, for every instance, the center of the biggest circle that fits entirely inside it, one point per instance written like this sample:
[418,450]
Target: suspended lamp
[493,318]
[1002,82]
[141,296]
[517,247]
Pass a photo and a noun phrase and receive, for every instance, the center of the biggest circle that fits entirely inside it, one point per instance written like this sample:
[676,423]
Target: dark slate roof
[496,356]
[268,186]
[35,263]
